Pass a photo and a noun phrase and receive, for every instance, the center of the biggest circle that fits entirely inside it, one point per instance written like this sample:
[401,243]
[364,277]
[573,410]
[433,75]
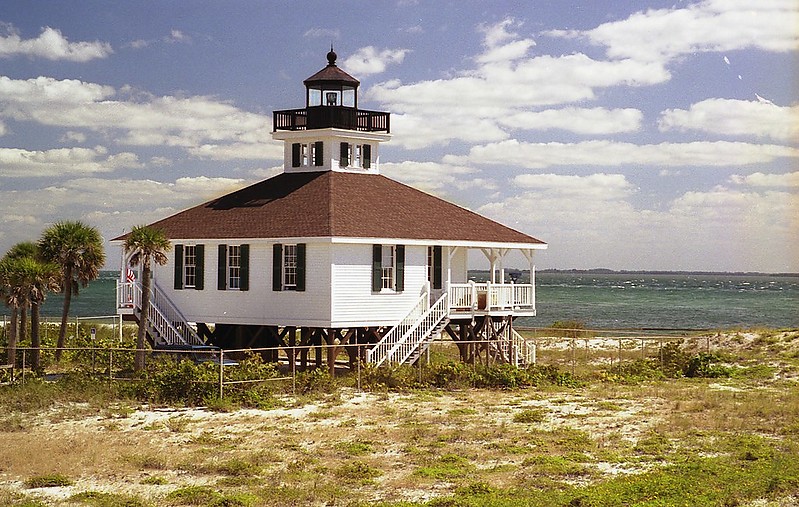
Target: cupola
[331,87]
[330,133]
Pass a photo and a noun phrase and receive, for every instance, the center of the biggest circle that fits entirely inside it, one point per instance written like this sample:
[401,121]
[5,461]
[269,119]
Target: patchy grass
[609,435]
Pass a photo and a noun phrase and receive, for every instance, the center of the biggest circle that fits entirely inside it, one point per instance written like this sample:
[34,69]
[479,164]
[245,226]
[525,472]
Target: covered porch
[499,295]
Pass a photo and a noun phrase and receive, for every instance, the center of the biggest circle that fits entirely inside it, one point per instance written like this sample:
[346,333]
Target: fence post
[358,349]
[619,365]
[573,354]
[110,364]
[643,348]
[221,373]
[23,366]
[294,373]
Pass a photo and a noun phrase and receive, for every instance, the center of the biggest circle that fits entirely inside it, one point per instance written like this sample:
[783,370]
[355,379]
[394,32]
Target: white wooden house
[330,250]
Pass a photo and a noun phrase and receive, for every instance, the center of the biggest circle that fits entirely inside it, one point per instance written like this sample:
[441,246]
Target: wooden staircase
[405,342]
[166,325]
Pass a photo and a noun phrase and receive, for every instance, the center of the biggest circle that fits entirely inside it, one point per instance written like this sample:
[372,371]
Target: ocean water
[601,301]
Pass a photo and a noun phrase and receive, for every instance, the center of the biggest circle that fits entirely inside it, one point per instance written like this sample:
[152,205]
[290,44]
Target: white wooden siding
[259,305]
[354,303]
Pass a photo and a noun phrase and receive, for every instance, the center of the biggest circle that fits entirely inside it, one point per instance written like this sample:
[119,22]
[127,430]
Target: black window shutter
[318,154]
[344,159]
[300,267]
[199,251]
[367,156]
[400,274]
[437,275]
[244,274]
[277,267]
[178,267]
[377,268]
[221,275]
[295,155]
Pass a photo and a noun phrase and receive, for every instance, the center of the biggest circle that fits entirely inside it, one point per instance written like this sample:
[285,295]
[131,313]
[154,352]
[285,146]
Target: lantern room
[331,101]
[331,87]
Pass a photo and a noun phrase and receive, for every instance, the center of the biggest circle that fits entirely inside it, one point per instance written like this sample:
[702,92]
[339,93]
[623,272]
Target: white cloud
[595,187]
[73,137]
[329,33]
[505,89]
[16,162]
[369,60]
[144,120]
[429,176]
[612,153]
[758,179]
[268,149]
[178,36]
[175,36]
[51,45]
[596,121]
[712,25]
[719,229]
[735,118]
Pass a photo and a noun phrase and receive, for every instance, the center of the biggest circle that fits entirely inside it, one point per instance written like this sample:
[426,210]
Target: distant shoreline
[604,271]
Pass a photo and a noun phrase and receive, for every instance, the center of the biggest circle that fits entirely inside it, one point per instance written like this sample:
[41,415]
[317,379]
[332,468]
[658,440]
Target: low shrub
[48,481]
[530,415]
[99,499]
[705,365]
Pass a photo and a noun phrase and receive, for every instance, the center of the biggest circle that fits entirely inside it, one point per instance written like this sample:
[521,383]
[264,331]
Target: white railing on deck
[405,338]
[472,297]
[163,315]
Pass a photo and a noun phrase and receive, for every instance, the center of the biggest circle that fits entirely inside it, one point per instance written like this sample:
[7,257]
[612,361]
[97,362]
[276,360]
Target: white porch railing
[404,339]
[487,297]
[163,316]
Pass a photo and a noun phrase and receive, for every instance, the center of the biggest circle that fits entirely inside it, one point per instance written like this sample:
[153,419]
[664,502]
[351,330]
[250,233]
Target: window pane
[189,266]
[388,266]
[289,266]
[349,97]
[234,267]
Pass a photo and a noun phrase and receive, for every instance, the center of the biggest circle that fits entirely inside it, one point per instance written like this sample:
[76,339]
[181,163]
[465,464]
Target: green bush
[48,481]
[317,380]
[705,365]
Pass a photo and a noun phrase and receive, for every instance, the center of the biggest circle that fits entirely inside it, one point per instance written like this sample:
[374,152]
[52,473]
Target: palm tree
[11,291]
[146,245]
[78,250]
[37,279]
[26,281]
[12,299]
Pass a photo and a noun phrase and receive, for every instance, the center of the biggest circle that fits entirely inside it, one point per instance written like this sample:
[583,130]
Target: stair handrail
[523,349]
[378,354]
[174,316]
[413,338]
[163,323]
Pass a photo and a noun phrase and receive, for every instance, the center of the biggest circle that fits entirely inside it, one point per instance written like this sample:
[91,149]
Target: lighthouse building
[332,252]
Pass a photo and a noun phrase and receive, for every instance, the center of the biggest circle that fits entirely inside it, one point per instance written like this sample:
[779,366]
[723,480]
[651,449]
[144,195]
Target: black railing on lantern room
[319,117]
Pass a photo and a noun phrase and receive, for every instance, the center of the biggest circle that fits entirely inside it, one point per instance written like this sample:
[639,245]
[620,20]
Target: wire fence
[584,351]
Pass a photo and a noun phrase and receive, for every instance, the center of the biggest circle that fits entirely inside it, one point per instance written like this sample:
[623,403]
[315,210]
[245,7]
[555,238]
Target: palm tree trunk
[35,341]
[12,337]
[145,306]
[23,322]
[62,333]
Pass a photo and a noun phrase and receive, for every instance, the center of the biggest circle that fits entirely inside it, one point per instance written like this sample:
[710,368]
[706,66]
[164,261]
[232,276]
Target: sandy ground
[119,449]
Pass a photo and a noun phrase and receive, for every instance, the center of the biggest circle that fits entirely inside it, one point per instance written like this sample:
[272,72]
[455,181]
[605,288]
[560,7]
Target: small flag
[130,276]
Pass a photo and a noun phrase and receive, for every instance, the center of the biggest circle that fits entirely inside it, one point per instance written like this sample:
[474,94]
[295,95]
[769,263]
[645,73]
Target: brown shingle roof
[335,204]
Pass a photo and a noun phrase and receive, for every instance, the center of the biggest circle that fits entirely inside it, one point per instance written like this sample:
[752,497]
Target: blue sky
[627,135]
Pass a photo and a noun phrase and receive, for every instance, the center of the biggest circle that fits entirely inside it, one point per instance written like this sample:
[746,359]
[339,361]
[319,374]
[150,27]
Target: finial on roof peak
[331,57]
